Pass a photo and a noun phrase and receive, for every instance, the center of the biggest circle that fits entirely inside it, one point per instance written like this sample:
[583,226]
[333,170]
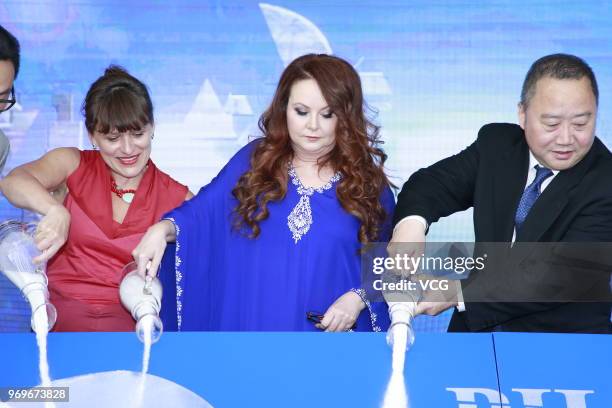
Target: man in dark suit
[547,180]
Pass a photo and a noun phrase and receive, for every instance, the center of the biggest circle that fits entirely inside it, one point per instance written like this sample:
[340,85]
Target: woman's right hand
[52,232]
[149,252]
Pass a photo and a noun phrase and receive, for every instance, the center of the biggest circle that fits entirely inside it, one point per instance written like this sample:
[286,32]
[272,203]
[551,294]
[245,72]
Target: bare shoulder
[69,156]
[53,168]
[63,160]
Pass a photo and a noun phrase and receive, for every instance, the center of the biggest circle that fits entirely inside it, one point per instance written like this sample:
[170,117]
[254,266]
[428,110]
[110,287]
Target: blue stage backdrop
[435,71]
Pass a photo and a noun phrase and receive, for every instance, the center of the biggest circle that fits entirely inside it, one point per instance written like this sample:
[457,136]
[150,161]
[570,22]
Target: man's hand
[408,239]
[434,302]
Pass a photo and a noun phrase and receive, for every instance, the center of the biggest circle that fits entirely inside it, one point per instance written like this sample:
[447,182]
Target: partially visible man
[9,68]
[546,180]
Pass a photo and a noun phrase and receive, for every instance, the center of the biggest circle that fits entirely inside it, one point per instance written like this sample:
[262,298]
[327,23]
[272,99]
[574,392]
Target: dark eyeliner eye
[328,115]
[300,112]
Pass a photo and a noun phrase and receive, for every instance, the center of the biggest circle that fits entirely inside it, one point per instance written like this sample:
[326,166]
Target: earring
[93,146]
[152,136]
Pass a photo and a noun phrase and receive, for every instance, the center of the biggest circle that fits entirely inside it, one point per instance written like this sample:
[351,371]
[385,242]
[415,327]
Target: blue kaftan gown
[226,281]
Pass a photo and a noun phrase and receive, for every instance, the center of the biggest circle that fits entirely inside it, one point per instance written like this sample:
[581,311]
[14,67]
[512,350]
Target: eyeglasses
[6,104]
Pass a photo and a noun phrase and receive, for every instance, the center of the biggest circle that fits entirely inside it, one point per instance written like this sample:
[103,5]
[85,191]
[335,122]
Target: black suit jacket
[490,176]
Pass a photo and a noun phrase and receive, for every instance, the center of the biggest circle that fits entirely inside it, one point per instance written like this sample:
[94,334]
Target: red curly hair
[356,154]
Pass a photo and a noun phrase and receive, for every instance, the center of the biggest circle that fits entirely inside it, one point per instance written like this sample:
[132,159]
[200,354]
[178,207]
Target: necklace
[126,195]
[300,218]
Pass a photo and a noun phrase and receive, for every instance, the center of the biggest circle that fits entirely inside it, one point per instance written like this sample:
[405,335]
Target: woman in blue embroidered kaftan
[235,271]
[226,281]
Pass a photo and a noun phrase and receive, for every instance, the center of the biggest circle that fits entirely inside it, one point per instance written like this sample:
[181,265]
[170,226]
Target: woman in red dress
[112,194]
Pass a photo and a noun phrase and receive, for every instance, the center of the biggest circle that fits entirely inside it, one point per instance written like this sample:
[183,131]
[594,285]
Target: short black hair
[558,66]
[9,48]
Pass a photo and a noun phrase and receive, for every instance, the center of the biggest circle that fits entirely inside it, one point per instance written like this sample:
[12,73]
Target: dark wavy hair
[356,154]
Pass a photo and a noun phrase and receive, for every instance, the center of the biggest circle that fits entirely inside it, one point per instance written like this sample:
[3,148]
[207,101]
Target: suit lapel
[554,198]
[546,208]
[510,178]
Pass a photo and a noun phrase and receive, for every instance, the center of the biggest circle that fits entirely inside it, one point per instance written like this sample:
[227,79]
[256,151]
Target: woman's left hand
[343,313]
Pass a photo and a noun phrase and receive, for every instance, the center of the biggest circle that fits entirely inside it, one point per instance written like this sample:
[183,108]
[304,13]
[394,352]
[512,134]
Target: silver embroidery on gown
[300,218]
[179,276]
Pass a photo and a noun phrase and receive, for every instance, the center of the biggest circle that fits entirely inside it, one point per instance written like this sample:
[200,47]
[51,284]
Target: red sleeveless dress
[84,276]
